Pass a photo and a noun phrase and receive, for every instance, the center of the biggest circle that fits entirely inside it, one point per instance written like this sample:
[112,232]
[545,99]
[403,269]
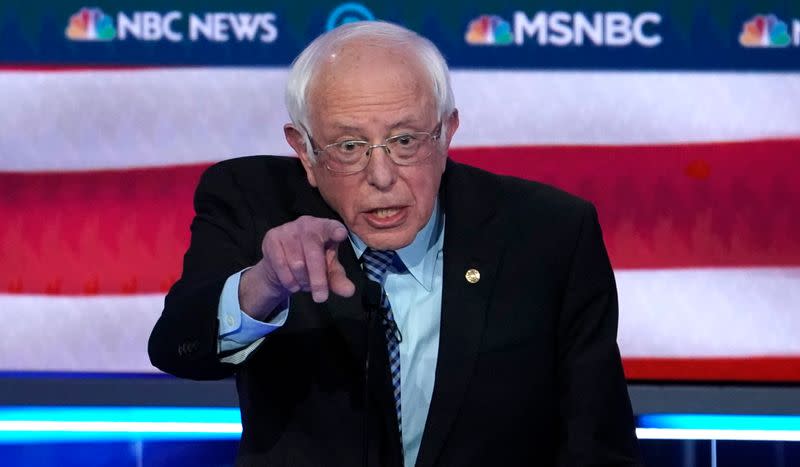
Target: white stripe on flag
[663,313]
[709,312]
[68,333]
[75,120]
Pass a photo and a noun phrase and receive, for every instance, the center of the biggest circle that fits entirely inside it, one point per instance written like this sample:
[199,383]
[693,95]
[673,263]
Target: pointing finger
[338,281]
[316,268]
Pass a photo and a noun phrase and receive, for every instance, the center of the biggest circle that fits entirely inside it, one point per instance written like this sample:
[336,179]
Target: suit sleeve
[185,338]
[598,427]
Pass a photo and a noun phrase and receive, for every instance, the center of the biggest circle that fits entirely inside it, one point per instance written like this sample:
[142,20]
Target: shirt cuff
[236,328]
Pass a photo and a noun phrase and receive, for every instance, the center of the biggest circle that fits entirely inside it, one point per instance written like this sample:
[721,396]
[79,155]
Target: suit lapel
[472,241]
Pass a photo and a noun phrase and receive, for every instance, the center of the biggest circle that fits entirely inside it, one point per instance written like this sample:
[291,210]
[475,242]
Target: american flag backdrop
[693,163]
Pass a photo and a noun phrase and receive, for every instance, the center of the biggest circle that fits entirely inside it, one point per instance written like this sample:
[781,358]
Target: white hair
[306,65]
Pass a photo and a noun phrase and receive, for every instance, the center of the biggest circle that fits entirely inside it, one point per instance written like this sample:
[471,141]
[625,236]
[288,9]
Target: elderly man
[382,305]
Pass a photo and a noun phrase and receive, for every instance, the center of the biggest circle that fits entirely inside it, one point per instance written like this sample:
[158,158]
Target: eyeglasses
[352,156]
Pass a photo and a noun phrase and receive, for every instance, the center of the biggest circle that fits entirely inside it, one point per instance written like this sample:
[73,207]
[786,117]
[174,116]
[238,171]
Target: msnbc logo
[489,30]
[764,31]
[565,29]
[90,24]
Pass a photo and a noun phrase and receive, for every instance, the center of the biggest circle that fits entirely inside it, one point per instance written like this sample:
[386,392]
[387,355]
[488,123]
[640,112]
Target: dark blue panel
[791,453]
[70,454]
[675,453]
[197,454]
[748,454]
[544,34]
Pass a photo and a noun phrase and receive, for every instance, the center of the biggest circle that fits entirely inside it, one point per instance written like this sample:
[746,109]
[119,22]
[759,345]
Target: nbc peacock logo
[764,31]
[90,24]
[489,30]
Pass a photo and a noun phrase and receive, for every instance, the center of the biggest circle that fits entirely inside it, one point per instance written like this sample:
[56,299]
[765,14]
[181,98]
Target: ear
[452,126]
[296,139]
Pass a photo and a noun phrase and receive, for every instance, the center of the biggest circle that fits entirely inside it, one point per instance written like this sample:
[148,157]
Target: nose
[381,171]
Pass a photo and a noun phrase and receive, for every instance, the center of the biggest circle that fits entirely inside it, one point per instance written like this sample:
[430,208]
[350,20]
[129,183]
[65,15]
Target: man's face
[370,93]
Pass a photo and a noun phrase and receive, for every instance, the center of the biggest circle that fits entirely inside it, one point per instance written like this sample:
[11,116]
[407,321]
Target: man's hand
[298,255]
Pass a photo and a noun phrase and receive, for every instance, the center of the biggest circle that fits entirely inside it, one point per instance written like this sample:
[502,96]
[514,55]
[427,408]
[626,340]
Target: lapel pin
[472,276]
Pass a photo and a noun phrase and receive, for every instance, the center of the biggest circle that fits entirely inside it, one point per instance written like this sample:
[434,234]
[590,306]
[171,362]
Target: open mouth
[388,217]
[384,213]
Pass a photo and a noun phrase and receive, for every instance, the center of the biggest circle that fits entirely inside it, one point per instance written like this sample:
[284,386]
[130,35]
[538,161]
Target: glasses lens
[408,148]
[350,156]
[346,156]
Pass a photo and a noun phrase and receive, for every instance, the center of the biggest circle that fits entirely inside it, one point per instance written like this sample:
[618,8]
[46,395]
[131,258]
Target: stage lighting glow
[93,424]
[86,424]
[719,427]
[719,435]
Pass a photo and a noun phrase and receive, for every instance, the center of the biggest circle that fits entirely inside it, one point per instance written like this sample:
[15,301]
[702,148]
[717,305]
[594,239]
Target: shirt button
[229,321]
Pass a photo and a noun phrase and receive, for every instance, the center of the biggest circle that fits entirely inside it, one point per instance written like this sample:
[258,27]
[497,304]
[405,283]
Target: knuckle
[283,271]
[268,241]
[305,221]
[287,280]
[273,233]
[272,240]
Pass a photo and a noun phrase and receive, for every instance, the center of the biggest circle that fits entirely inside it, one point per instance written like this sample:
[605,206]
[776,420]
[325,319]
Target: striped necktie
[376,264]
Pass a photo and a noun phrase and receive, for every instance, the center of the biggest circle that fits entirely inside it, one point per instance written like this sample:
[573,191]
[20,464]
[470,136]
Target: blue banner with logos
[658,35]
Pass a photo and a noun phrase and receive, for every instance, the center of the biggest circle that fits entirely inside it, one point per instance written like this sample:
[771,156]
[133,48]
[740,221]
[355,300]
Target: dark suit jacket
[528,370]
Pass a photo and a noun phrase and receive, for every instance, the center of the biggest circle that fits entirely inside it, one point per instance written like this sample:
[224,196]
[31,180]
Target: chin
[388,240]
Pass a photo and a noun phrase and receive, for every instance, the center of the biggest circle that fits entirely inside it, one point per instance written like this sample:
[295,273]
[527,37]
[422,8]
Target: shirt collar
[419,257]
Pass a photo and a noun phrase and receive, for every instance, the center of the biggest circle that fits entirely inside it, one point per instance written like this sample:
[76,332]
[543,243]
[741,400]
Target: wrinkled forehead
[363,68]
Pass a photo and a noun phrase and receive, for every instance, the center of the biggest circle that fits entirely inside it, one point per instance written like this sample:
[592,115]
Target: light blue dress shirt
[416,298]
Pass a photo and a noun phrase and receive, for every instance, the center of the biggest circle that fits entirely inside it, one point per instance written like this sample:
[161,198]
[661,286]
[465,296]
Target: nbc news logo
[92,24]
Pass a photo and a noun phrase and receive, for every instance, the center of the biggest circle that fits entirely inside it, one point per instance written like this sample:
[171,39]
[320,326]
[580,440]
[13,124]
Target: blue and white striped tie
[376,264]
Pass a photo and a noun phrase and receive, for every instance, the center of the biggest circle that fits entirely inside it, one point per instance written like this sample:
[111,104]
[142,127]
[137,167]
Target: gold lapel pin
[472,276]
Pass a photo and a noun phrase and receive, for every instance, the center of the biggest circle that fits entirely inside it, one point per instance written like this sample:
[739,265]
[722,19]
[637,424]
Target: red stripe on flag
[762,369]
[104,232]
[125,231]
[692,205]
